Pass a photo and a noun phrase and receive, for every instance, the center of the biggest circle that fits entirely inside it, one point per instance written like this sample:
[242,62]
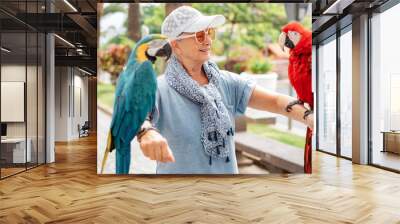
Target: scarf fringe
[227,160]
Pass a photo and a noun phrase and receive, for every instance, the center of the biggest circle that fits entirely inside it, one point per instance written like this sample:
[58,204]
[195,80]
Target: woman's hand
[310,121]
[155,147]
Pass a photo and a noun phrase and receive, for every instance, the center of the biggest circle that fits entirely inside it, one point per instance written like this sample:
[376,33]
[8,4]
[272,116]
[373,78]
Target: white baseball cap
[188,19]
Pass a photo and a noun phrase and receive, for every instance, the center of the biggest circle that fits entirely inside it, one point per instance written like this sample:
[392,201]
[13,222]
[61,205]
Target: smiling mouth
[204,50]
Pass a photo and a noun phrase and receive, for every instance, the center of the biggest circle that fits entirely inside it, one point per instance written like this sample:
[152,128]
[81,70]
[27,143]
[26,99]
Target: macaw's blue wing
[122,79]
[137,99]
[134,98]
[129,70]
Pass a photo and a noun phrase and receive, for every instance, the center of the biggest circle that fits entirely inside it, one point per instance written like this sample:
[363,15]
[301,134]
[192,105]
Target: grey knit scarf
[215,121]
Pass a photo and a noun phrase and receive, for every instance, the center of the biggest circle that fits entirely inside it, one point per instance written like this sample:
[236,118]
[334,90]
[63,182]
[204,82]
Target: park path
[139,163]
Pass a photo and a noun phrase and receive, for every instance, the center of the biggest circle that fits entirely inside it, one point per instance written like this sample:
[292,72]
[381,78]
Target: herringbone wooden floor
[70,191]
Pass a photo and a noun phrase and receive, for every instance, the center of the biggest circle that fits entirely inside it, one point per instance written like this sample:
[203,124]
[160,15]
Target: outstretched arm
[263,99]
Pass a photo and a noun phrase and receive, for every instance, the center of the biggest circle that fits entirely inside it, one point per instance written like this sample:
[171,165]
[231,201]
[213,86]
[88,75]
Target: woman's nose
[208,40]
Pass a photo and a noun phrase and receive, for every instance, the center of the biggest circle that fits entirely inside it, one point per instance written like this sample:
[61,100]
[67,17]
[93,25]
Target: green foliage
[239,67]
[247,23]
[247,58]
[217,47]
[119,40]
[259,66]
[159,66]
[248,27]
[153,16]
[281,136]
[221,64]
[243,52]
[113,59]
[105,94]
[238,57]
[114,8]
[306,22]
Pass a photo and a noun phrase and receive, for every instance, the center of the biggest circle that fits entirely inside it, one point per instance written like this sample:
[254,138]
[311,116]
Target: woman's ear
[175,47]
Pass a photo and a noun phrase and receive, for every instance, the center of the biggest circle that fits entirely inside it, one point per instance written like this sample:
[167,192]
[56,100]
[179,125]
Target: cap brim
[205,22]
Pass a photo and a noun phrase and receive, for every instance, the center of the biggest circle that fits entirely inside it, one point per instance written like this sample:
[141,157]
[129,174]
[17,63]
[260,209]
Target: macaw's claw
[291,104]
[306,113]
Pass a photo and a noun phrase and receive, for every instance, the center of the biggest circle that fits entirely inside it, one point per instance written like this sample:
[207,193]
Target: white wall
[33,126]
[71,94]
[12,73]
[61,103]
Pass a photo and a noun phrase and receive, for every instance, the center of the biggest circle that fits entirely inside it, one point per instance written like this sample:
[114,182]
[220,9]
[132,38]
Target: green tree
[134,23]
[247,23]
[153,16]
[114,8]
[107,10]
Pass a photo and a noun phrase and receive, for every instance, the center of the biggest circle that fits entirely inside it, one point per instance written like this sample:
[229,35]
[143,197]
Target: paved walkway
[139,163]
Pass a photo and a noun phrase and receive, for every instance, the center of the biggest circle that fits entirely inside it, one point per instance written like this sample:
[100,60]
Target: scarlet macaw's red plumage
[299,72]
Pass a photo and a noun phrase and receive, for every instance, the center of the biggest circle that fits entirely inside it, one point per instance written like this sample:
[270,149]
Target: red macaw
[298,39]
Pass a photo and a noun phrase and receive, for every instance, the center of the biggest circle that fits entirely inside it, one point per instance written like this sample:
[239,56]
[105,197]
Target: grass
[281,136]
[105,94]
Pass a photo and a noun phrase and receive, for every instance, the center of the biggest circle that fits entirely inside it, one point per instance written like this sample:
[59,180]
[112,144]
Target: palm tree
[134,21]
[169,7]
[113,8]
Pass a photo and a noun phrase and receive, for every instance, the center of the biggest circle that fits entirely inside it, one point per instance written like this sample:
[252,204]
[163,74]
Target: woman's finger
[170,156]
[157,152]
[152,151]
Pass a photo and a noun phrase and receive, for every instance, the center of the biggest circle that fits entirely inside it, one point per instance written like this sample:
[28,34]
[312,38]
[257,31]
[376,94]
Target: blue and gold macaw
[134,98]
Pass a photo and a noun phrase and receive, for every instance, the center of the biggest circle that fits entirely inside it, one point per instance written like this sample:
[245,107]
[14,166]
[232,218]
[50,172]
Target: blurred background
[246,44]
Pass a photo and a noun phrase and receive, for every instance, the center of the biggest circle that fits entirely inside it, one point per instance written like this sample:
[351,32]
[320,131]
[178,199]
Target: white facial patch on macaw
[294,37]
[154,46]
[281,39]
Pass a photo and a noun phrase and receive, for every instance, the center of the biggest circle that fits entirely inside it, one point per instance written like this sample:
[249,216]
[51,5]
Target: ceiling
[74,22]
[330,15]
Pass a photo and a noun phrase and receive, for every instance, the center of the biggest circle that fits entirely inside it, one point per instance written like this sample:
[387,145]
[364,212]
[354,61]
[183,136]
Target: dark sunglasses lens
[201,36]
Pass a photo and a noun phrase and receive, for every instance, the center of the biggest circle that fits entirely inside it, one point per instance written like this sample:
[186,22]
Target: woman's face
[190,48]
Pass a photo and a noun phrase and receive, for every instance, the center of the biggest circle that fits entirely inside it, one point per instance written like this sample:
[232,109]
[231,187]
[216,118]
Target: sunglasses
[200,36]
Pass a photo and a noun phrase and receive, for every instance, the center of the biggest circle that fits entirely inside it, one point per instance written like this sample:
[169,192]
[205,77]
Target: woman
[193,122]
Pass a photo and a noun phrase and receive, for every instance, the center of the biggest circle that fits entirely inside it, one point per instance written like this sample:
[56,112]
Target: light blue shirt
[178,120]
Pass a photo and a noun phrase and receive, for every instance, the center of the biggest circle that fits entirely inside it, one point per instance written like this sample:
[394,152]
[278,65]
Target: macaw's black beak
[158,48]
[289,43]
[151,58]
[165,51]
